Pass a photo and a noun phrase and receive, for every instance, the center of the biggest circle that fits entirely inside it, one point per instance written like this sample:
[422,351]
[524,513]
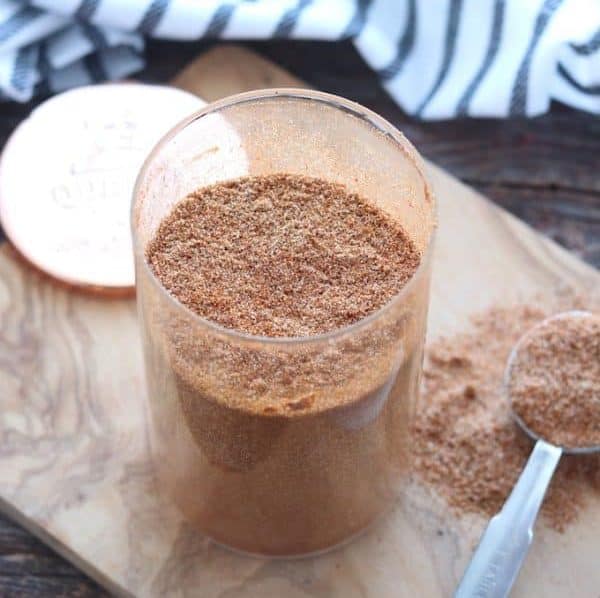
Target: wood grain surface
[72,444]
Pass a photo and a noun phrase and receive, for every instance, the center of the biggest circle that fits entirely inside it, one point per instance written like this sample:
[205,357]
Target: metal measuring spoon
[506,540]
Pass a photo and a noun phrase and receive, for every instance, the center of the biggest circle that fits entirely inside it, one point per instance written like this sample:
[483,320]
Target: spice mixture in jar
[281,255]
[279,448]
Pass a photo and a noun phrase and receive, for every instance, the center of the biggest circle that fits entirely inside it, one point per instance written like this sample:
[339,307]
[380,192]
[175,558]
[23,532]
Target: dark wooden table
[545,170]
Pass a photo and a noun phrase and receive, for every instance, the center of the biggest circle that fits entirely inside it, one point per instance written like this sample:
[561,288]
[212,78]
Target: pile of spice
[467,446]
[554,382]
[281,255]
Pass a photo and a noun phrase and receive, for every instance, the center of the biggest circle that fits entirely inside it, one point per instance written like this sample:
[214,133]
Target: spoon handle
[505,542]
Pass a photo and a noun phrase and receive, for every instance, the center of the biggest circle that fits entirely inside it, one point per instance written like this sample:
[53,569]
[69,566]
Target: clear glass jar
[319,468]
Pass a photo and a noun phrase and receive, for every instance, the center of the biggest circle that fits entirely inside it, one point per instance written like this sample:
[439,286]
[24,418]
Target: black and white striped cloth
[436,58]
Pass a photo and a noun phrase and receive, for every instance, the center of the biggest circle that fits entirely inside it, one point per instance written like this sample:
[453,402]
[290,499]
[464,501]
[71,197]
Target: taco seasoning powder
[268,449]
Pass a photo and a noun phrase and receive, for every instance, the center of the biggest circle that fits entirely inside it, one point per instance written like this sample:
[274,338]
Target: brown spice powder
[555,381]
[281,255]
[282,448]
[467,446]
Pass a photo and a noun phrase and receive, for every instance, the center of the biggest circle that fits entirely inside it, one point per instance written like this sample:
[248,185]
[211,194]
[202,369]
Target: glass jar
[334,453]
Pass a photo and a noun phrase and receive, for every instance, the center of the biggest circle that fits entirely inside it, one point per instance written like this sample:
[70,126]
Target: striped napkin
[436,58]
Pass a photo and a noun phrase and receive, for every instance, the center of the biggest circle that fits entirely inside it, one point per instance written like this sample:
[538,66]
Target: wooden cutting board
[74,463]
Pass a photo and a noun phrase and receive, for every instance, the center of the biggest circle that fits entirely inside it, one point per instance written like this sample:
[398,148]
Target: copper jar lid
[67,174]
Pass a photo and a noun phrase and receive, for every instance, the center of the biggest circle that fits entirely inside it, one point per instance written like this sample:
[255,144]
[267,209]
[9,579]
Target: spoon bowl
[512,358]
